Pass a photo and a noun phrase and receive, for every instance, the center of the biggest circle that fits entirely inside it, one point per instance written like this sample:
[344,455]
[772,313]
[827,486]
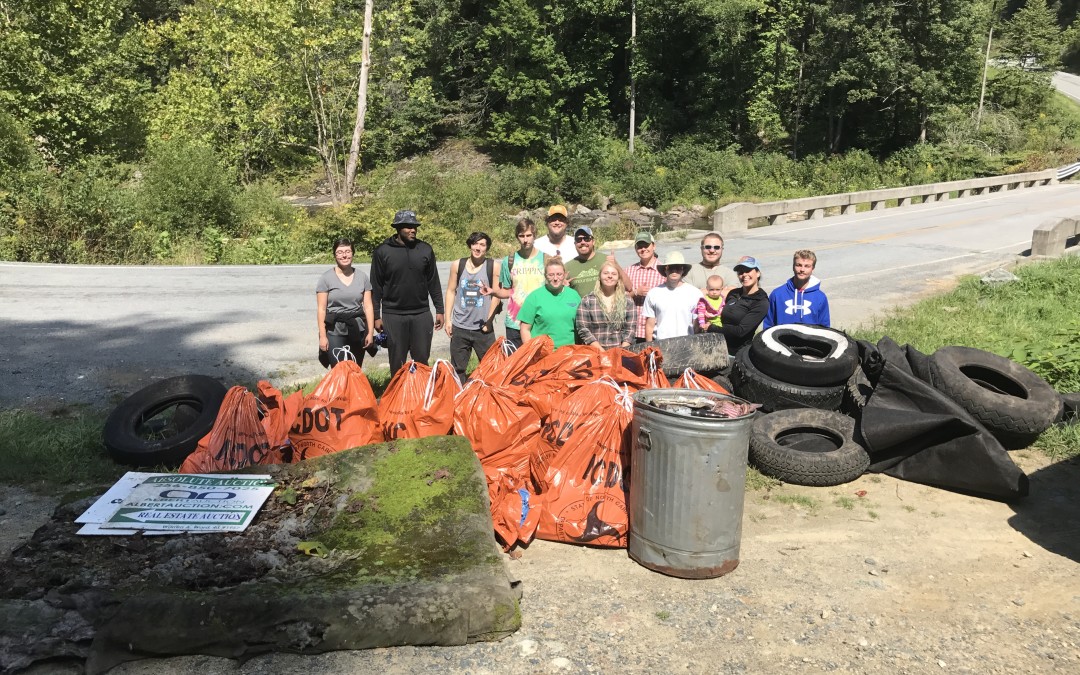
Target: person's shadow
[1050,515]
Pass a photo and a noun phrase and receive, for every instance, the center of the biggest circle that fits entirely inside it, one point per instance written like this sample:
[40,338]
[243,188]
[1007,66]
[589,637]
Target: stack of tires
[802,375]
[799,374]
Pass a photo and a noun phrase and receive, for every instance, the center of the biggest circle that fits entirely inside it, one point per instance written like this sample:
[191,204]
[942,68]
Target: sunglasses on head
[583,237]
[710,247]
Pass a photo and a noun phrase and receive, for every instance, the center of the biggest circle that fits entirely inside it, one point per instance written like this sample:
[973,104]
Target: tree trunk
[361,104]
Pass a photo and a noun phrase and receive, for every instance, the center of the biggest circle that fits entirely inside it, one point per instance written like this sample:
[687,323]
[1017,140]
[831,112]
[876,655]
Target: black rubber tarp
[915,432]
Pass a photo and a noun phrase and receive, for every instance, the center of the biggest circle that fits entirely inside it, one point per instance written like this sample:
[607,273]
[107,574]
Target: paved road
[84,334]
[1067,84]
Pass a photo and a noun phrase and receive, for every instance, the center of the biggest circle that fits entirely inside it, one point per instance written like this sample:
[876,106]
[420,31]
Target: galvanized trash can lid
[695,403]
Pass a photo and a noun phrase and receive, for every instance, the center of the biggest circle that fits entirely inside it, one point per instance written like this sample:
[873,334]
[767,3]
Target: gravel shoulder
[904,579]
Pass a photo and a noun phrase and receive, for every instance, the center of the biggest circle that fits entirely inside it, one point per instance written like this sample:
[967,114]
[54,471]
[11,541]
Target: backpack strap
[461,269]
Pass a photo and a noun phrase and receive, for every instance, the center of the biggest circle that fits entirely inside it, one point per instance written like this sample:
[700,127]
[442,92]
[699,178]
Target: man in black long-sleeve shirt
[403,278]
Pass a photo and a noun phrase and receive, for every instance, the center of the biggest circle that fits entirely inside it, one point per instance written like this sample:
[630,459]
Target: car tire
[814,356]
[704,352]
[807,447]
[1070,414]
[161,424]
[757,387]
[1011,401]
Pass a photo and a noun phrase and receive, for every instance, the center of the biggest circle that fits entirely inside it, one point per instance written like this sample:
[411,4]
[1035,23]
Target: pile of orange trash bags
[551,428]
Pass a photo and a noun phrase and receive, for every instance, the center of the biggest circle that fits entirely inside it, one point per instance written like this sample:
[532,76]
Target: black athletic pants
[462,345]
[409,334]
[346,348]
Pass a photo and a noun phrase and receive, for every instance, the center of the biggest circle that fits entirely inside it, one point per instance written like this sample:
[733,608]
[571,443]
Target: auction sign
[192,503]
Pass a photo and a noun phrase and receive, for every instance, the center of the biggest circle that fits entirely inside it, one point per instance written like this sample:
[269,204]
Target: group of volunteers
[555,285]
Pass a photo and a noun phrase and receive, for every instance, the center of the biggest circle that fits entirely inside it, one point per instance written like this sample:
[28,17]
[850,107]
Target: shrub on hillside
[529,187]
[84,215]
[186,187]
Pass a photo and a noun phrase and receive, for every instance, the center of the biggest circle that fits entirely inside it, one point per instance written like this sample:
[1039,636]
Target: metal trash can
[688,478]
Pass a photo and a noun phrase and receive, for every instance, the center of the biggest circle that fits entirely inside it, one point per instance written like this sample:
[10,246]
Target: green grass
[757,481]
[63,448]
[808,503]
[844,502]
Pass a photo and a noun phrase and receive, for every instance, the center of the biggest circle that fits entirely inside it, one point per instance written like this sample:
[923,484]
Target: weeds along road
[89,335]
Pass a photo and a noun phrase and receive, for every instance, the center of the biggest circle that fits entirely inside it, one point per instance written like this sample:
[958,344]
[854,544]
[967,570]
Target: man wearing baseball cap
[642,277]
[555,242]
[583,270]
[405,283]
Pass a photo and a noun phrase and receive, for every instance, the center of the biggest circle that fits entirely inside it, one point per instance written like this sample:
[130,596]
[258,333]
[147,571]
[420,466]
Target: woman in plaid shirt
[607,316]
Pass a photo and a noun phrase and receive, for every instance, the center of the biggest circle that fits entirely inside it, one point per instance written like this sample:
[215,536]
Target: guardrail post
[815,214]
[778,219]
[849,208]
[926,199]
[1050,237]
[730,218]
[878,205]
[960,194]
[903,201]
[943,197]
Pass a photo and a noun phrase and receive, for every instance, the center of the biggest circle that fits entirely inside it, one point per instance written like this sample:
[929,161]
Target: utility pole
[986,65]
[633,102]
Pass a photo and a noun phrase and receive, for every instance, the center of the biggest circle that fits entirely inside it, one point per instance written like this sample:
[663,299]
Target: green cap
[644,236]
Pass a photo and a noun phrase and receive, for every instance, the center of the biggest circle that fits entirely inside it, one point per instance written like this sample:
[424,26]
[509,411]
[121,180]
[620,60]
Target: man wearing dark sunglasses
[583,270]
[712,249]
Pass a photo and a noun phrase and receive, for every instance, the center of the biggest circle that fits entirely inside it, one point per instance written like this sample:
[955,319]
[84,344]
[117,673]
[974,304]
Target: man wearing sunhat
[583,270]
[642,277]
[404,285]
[555,242]
[669,308]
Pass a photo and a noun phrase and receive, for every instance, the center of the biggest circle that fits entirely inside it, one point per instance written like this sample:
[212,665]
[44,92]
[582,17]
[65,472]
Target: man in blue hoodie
[801,299]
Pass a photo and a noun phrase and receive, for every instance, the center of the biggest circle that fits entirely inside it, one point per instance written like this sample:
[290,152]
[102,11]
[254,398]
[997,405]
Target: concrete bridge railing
[736,217]
[1051,238]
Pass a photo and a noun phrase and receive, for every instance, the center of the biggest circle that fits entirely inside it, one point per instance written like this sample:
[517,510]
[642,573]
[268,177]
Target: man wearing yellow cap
[555,242]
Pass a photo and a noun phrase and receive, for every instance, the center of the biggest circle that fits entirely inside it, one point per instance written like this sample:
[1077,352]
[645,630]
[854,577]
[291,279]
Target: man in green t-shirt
[583,271]
[550,309]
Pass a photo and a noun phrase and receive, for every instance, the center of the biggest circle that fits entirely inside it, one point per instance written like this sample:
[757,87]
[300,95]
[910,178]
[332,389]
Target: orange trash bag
[653,358]
[563,371]
[499,430]
[340,414]
[278,415]
[691,379]
[419,401]
[237,439]
[493,360]
[513,372]
[515,508]
[583,465]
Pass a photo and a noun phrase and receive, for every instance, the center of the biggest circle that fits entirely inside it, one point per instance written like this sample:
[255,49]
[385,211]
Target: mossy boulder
[388,544]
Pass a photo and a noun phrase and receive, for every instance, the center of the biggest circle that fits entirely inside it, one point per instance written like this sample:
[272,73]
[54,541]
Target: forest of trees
[126,125]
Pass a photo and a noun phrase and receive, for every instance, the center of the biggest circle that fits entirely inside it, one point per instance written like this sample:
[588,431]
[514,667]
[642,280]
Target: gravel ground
[904,579]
